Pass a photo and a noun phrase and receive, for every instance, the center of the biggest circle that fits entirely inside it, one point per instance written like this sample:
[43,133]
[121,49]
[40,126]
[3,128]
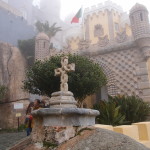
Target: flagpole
[83,26]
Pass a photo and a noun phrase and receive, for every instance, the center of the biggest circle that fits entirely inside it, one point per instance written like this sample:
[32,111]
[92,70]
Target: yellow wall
[74,43]
[101,18]
[116,19]
[128,30]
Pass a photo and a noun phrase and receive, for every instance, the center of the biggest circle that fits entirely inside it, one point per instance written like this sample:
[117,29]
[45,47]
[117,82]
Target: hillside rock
[101,139]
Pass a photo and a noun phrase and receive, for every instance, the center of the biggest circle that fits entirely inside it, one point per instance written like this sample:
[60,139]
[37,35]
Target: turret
[140,27]
[41,46]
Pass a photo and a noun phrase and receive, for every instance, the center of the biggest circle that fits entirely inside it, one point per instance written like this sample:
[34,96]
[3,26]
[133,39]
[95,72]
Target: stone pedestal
[62,100]
[62,118]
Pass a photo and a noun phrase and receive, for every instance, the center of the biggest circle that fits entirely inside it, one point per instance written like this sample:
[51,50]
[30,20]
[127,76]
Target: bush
[3,92]
[121,110]
[133,107]
[109,113]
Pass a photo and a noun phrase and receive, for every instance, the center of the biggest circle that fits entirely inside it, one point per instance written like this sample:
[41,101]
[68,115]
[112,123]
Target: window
[141,16]
[116,26]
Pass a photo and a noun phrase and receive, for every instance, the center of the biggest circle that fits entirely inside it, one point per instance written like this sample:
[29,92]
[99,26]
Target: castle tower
[41,46]
[141,28]
[139,21]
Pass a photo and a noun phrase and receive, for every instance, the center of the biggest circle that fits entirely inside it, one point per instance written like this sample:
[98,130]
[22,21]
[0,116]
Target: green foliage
[27,48]
[83,129]
[121,110]
[3,92]
[133,107]
[49,144]
[49,30]
[86,80]
[110,113]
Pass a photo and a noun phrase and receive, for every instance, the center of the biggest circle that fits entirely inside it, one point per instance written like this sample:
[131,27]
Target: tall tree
[46,28]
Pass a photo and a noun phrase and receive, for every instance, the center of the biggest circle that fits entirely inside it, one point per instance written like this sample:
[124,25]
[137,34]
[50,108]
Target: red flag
[75,19]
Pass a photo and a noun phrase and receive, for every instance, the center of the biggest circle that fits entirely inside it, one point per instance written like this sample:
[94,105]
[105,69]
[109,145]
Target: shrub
[3,92]
[133,107]
[109,113]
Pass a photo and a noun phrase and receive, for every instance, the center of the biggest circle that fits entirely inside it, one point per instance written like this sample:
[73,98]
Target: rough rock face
[12,73]
[101,139]
[12,70]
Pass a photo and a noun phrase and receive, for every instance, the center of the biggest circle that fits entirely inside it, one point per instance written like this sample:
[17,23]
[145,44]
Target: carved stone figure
[98,30]
[121,37]
[63,73]
[103,41]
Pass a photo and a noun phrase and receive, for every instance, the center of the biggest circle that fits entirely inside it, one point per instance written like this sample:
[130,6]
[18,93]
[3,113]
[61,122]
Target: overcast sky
[72,6]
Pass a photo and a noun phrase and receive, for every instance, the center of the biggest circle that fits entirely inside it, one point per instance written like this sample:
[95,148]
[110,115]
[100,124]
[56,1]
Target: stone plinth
[62,100]
[66,116]
[60,122]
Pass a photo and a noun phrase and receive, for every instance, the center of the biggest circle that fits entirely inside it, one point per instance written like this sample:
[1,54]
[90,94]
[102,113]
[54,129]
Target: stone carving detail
[146,52]
[84,44]
[103,41]
[63,73]
[121,37]
[98,30]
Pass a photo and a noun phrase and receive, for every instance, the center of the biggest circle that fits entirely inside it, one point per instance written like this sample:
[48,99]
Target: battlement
[109,5]
[10,9]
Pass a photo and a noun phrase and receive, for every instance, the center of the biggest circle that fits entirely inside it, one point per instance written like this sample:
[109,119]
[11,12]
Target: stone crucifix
[62,72]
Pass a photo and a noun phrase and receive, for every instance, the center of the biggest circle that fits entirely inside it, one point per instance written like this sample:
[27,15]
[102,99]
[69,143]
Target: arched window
[141,16]
[132,19]
[44,45]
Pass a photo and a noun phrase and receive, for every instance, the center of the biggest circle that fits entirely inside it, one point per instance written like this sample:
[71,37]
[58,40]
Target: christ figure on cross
[62,72]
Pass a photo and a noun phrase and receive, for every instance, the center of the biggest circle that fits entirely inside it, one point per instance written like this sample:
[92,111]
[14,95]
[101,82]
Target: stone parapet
[96,50]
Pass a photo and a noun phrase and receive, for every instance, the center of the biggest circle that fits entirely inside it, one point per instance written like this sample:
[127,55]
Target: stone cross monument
[63,73]
[63,113]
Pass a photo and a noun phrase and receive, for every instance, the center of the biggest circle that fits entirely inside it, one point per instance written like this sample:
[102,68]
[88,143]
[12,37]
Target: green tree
[86,80]
[3,92]
[27,48]
[49,30]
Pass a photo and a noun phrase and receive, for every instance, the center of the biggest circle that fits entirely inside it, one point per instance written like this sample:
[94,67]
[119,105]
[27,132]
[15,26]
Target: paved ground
[9,139]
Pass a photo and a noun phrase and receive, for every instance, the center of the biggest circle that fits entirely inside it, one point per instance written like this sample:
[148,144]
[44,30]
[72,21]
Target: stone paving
[9,139]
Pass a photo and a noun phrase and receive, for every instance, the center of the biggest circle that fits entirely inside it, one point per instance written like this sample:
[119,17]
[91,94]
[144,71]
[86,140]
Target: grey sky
[72,6]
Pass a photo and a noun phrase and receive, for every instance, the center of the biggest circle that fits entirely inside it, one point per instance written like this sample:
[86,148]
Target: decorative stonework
[146,52]
[121,36]
[123,66]
[103,41]
[98,30]
[84,44]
